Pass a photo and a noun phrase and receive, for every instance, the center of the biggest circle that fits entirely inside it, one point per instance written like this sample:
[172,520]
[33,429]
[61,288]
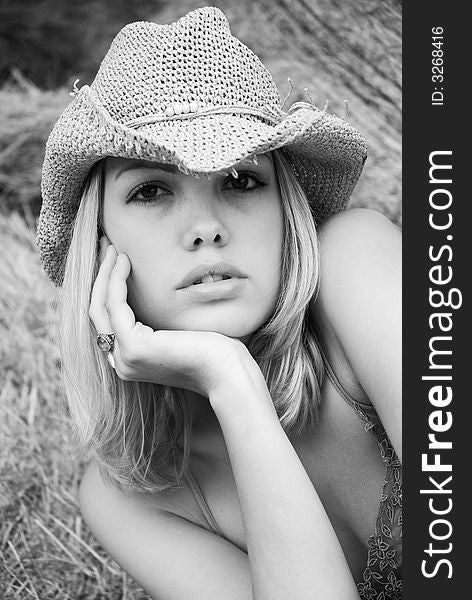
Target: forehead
[117,165]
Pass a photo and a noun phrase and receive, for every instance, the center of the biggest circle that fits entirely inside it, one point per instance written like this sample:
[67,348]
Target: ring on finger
[106,342]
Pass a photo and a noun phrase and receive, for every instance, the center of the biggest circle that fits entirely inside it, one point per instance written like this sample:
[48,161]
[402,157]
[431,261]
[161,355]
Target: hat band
[214,110]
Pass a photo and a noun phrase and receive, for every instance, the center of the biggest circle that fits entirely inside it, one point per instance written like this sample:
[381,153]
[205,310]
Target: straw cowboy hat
[191,94]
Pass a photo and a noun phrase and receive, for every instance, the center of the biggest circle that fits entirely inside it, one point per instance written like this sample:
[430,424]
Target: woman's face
[205,253]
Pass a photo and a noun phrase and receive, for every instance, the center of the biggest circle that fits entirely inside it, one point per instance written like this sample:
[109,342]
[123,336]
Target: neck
[206,437]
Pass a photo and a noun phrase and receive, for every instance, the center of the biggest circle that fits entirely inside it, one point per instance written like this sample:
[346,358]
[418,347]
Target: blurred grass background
[339,50]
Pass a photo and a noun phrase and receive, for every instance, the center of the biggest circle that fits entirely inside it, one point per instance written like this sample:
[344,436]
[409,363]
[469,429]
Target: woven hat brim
[326,152]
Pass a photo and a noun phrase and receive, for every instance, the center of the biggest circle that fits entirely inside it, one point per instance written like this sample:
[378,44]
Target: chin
[233,331]
[236,322]
[231,325]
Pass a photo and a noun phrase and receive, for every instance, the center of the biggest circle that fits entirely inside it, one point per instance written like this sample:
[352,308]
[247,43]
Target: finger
[121,316]
[98,312]
[111,360]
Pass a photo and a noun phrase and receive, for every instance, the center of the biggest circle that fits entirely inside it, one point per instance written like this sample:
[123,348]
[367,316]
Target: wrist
[241,393]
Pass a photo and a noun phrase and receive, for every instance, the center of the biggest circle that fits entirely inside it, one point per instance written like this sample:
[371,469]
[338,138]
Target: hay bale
[27,115]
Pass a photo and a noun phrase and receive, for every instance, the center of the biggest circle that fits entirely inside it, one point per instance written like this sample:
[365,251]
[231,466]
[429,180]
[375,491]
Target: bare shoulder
[96,493]
[159,548]
[359,304]
[357,247]
[360,256]
[104,504]
[357,229]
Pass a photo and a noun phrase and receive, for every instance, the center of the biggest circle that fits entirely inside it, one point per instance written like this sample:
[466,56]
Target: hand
[194,360]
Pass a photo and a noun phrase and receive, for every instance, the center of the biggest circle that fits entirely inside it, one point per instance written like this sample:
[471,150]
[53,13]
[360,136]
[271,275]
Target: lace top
[381,579]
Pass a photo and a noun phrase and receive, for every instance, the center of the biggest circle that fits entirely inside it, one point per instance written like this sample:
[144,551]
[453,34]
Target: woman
[197,334]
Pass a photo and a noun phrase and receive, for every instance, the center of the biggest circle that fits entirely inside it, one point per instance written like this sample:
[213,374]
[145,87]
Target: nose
[205,226]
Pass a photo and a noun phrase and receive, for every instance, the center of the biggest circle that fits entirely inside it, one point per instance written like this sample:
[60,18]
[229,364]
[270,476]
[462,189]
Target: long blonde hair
[141,443]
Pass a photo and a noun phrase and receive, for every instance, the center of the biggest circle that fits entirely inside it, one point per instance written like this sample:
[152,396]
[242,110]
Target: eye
[148,193]
[244,182]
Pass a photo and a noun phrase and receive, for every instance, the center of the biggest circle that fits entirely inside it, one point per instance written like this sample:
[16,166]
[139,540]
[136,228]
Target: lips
[210,273]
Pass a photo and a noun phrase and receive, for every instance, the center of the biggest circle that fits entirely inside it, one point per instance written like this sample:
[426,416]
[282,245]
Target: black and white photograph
[209,314]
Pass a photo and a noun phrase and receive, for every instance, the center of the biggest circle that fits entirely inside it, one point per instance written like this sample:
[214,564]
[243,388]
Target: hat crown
[150,67]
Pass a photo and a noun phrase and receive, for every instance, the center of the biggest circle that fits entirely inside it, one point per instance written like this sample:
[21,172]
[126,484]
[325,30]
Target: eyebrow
[170,168]
[141,164]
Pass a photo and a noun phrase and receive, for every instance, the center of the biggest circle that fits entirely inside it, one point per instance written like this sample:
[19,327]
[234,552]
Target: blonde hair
[143,444]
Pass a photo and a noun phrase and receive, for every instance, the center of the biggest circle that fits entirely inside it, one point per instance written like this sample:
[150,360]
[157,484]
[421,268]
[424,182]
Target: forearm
[292,548]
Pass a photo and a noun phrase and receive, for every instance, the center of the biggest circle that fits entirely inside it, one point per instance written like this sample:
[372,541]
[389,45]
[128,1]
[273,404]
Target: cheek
[149,297]
[150,278]
[151,269]
[266,253]
[140,237]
